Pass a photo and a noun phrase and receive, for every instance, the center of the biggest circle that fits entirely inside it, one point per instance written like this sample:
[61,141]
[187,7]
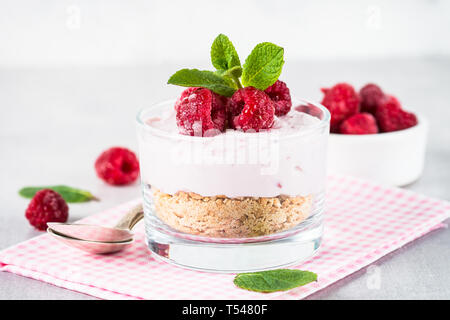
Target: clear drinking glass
[233,202]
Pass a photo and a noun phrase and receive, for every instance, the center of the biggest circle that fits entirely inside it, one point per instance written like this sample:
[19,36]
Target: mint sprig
[68,193]
[261,68]
[274,280]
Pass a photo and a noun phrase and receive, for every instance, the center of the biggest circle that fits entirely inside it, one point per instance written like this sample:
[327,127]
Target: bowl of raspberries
[373,136]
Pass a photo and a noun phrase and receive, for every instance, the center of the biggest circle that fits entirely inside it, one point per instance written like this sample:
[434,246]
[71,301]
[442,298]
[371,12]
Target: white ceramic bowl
[393,158]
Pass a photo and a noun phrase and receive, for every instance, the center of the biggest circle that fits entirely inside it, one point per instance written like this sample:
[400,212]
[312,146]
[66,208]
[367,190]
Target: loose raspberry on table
[342,101]
[46,206]
[371,97]
[251,109]
[391,116]
[201,112]
[280,95]
[360,123]
[117,166]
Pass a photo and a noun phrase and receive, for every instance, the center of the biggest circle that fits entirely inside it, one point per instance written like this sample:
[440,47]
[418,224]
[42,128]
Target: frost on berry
[251,109]
[200,112]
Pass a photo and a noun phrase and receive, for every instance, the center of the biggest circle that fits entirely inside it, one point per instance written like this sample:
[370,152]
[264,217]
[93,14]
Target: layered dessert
[232,159]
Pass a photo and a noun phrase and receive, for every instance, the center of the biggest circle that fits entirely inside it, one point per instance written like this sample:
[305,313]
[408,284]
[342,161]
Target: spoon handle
[131,218]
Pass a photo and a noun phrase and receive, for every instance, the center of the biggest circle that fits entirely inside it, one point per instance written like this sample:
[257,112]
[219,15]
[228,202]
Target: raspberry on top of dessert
[251,109]
[281,97]
[202,107]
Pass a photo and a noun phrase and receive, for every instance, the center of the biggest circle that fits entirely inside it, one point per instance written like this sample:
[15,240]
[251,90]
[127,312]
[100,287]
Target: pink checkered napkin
[364,221]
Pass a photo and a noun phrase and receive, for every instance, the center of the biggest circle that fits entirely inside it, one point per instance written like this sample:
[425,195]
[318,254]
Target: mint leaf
[205,79]
[263,66]
[68,193]
[274,280]
[223,54]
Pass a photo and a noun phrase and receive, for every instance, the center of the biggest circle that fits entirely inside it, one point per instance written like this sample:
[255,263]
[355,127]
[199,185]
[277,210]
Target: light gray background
[70,88]
[112,32]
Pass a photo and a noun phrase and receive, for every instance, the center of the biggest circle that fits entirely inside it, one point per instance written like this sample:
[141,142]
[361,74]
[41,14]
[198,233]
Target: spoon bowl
[93,247]
[98,239]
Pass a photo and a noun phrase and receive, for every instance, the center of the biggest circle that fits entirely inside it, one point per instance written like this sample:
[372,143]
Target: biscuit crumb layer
[230,217]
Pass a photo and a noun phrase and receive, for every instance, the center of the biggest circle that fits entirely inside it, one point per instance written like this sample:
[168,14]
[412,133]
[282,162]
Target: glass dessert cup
[235,201]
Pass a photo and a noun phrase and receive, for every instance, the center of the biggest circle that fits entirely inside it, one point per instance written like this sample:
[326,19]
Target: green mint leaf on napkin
[223,54]
[205,79]
[68,193]
[274,280]
[263,66]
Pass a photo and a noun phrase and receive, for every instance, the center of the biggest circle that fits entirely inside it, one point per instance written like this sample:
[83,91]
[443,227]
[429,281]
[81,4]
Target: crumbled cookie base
[230,217]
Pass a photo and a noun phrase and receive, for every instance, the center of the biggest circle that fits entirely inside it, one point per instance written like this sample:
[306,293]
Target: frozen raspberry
[342,101]
[200,112]
[371,96]
[46,206]
[117,166]
[251,109]
[279,94]
[360,123]
[391,117]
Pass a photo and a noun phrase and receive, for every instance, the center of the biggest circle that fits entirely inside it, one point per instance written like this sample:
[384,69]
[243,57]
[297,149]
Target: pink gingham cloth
[364,221]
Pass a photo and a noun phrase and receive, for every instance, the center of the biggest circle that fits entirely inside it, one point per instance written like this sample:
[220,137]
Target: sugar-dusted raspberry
[117,166]
[251,109]
[342,101]
[371,96]
[360,123]
[46,206]
[280,95]
[200,112]
[391,116]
